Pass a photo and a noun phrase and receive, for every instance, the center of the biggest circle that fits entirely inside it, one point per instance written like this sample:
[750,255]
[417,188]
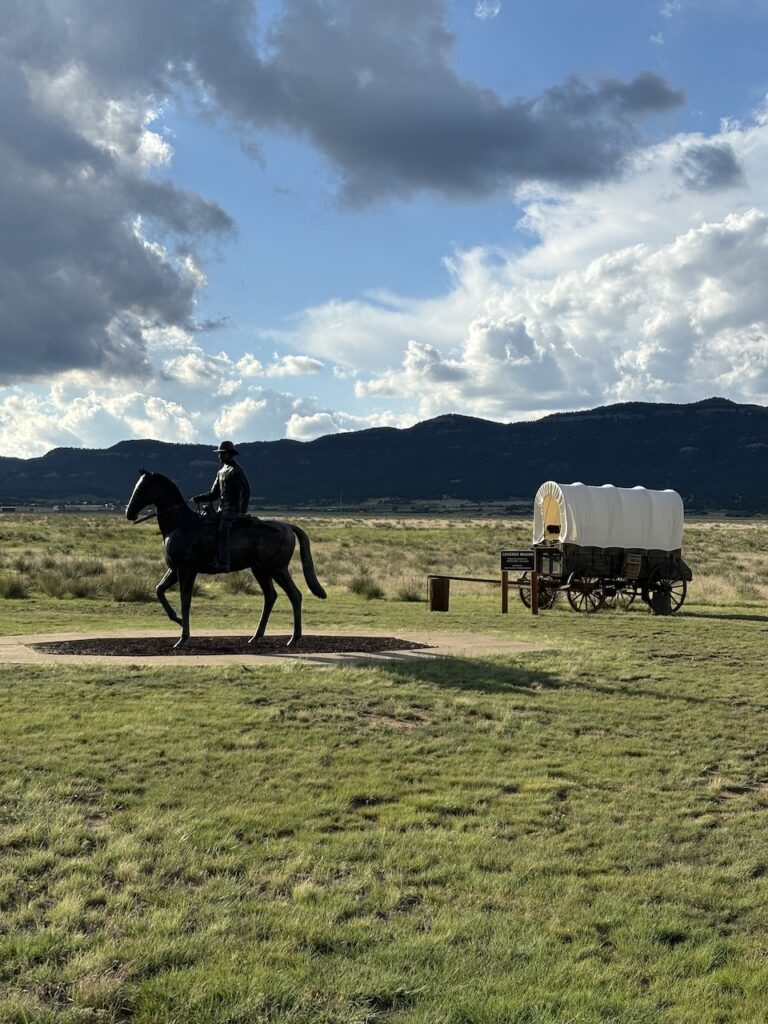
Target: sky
[257,219]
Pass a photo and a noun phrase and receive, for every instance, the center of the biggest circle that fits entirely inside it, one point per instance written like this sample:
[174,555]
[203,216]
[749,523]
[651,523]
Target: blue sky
[261,220]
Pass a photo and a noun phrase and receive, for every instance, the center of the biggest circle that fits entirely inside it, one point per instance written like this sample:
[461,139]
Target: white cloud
[31,424]
[293,366]
[249,366]
[485,9]
[261,414]
[360,335]
[648,288]
[197,367]
[308,427]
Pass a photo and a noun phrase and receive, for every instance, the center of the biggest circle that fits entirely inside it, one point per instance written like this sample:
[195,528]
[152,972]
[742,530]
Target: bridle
[154,515]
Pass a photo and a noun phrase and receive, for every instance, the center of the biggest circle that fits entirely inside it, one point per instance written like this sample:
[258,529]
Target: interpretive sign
[517,560]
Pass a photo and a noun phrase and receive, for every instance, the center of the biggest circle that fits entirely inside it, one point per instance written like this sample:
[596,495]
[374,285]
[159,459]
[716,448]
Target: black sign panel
[521,560]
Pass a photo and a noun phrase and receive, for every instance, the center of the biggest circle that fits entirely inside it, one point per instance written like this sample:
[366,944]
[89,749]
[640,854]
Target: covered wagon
[608,544]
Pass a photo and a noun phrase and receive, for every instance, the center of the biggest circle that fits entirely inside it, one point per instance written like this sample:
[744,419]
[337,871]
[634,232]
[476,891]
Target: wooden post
[439,593]
[504,592]
[534,593]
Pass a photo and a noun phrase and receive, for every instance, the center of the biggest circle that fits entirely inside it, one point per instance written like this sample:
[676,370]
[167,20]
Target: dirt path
[155,647]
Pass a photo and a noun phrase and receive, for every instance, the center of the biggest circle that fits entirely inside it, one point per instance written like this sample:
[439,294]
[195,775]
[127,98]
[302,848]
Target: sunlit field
[575,833]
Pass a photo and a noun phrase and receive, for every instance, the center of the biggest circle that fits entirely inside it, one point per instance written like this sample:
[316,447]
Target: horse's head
[143,495]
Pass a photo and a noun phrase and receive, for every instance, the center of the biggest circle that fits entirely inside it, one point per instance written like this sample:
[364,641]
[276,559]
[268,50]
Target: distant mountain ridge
[714,452]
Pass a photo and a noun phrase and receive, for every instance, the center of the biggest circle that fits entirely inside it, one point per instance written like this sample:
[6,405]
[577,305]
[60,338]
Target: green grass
[576,834]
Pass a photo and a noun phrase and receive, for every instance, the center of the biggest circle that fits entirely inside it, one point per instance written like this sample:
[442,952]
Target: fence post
[504,592]
[439,593]
[534,593]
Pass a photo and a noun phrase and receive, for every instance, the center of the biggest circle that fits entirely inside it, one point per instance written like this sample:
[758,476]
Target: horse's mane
[165,482]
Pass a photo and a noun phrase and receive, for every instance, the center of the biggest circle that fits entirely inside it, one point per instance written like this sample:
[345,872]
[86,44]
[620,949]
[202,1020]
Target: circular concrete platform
[155,647]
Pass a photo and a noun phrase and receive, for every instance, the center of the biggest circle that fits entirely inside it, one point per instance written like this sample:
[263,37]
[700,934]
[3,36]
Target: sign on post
[518,560]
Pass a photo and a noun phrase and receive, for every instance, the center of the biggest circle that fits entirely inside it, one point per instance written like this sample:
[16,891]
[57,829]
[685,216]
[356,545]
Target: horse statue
[190,545]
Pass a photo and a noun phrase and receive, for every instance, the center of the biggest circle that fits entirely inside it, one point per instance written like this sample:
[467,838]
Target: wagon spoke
[667,593]
[620,594]
[525,590]
[586,594]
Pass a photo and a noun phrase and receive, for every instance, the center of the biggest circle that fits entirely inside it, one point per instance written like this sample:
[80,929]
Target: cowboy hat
[227,446]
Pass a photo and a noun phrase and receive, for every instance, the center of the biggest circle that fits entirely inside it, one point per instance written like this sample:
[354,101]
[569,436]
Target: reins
[154,515]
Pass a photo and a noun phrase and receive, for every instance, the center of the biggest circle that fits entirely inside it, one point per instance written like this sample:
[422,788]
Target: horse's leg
[270,596]
[284,579]
[186,583]
[169,580]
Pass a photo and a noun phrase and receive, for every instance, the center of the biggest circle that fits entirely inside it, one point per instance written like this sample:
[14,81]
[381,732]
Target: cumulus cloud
[81,279]
[197,367]
[390,66]
[78,412]
[501,367]
[98,250]
[647,288]
[293,366]
[31,424]
[310,426]
[249,366]
[270,415]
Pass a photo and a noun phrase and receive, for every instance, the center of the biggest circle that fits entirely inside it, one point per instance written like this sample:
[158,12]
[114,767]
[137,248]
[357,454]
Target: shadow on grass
[470,674]
[495,678]
[726,616]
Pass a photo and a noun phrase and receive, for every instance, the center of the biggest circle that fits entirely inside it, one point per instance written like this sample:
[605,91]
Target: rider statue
[233,492]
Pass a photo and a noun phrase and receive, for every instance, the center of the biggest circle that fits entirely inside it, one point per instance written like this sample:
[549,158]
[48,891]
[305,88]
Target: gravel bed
[162,646]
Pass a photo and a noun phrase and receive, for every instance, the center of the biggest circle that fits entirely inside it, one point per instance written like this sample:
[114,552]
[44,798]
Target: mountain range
[714,452]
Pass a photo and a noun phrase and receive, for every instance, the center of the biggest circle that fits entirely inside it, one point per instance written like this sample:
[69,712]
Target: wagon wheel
[547,593]
[586,594]
[620,594]
[666,594]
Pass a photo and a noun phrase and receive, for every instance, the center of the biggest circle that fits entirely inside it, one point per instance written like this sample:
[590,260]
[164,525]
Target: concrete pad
[17,650]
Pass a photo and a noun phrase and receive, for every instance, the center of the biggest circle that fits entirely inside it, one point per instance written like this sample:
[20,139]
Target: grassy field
[571,835]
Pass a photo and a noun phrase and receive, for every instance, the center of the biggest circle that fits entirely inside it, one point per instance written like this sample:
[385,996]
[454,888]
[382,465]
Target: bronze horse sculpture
[190,543]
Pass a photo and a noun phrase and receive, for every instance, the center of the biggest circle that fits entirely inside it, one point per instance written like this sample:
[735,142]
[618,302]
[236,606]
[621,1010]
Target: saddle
[211,518]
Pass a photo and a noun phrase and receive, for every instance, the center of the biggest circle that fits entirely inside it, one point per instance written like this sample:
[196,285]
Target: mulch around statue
[162,646]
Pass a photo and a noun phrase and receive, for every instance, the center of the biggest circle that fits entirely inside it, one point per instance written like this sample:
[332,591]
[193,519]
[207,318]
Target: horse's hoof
[293,642]
[255,638]
[181,642]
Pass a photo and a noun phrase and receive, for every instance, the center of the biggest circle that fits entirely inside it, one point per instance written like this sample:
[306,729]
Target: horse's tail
[307,564]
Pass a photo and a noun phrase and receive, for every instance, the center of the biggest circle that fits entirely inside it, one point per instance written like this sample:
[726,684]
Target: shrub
[57,583]
[365,586]
[24,562]
[409,590]
[131,587]
[13,587]
[747,591]
[88,567]
[240,583]
[75,568]
[82,587]
[52,583]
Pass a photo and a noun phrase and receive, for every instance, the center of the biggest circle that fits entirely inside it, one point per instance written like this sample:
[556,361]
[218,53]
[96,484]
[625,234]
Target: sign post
[517,560]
